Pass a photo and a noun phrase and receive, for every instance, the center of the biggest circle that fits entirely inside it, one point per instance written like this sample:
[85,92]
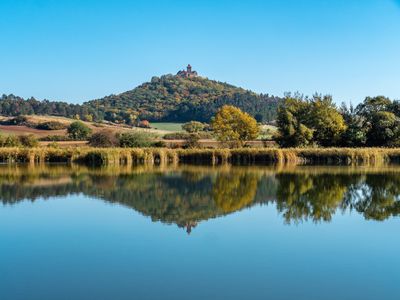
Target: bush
[135,139]
[192,141]
[9,141]
[55,138]
[78,131]
[185,135]
[19,120]
[194,126]
[29,141]
[105,138]
[51,125]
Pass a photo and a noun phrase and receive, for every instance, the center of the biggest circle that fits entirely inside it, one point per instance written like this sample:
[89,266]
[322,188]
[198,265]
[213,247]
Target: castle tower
[189,69]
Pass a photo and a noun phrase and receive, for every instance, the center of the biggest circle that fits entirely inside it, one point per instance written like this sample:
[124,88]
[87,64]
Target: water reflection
[187,195]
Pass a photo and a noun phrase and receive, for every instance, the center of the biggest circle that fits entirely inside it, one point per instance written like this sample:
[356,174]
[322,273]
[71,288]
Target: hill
[169,98]
[177,98]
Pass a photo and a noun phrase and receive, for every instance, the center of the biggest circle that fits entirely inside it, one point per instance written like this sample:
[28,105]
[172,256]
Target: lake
[69,232]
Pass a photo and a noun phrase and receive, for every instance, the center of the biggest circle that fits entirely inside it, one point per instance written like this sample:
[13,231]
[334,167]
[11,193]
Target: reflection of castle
[188,73]
[188,225]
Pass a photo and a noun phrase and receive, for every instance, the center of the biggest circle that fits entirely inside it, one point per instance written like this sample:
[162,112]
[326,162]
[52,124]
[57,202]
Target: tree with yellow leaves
[234,126]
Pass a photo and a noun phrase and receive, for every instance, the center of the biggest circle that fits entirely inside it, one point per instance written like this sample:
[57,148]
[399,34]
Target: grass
[243,156]
[173,127]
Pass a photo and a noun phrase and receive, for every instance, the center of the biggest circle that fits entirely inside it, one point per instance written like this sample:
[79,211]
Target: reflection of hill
[186,196]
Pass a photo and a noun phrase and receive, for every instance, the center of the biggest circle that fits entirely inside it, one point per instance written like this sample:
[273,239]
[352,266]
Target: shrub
[103,139]
[29,141]
[55,138]
[9,141]
[51,125]
[192,141]
[135,139]
[144,124]
[53,145]
[193,126]
[185,135]
[78,131]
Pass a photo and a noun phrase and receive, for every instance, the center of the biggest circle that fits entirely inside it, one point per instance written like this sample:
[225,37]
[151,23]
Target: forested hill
[176,98]
[165,98]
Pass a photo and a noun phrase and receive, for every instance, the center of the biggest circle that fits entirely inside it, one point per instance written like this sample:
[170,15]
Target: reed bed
[160,156]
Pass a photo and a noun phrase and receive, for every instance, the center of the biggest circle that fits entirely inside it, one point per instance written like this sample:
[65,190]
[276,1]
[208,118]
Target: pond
[192,232]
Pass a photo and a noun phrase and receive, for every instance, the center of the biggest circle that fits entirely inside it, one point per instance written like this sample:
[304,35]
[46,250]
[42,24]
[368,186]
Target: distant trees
[234,126]
[317,121]
[78,131]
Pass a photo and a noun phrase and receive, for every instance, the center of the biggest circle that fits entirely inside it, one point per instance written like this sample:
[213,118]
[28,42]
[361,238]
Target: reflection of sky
[76,246]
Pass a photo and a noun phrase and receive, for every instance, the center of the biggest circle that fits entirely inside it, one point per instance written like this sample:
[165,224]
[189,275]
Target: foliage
[185,135]
[78,131]
[194,126]
[11,105]
[28,141]
[232,125]
[177,99]
[136,139]
[51,125]
[302,122]
[9,141]
[192,141]
[104,138]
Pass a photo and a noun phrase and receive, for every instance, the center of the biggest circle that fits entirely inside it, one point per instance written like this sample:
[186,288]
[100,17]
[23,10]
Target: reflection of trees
[188,196]
[310,196]
[377,197]
[233,191]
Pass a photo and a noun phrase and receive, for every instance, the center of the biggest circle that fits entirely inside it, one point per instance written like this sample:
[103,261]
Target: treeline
[176,99]
[317,121]
[11,105]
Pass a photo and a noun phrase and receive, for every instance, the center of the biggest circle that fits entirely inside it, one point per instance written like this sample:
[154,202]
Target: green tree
[232,125]
[135,139]
[292,132]
[78,131]
[302,121]
[381,122]
[193,126]
[326,121]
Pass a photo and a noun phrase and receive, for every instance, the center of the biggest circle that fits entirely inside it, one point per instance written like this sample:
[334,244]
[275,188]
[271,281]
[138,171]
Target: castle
[188,73]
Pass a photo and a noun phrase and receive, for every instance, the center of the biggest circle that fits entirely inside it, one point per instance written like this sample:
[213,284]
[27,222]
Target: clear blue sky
[79,50]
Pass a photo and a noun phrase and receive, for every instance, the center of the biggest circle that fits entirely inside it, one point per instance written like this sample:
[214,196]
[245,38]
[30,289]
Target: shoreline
[240,156]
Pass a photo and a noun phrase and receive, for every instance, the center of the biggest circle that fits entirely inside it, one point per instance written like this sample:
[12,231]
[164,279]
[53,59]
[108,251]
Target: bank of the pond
[245,156]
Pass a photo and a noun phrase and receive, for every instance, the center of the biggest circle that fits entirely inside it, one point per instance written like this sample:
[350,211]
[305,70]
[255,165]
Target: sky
[81,50]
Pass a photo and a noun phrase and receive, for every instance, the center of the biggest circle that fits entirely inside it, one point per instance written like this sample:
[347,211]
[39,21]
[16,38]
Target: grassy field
[172,127]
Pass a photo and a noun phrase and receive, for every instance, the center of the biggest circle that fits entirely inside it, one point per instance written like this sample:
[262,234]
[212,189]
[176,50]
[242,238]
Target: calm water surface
[199,233]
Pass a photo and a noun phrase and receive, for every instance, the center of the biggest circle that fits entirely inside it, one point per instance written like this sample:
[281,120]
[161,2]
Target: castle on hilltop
[188,73]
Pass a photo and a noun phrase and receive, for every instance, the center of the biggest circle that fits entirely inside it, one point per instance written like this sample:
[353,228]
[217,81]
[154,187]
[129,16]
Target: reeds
[160,156]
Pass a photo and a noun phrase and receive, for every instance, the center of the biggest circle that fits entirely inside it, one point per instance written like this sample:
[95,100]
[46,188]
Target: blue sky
[79,50]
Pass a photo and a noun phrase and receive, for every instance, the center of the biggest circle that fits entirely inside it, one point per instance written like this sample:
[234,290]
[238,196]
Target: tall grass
[159,156]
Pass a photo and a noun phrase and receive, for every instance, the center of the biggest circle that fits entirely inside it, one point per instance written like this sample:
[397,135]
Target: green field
[173,127]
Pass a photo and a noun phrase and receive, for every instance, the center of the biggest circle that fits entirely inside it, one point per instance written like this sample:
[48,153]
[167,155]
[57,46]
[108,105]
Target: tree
[78,131]
[293,133]
[135,139]
[105,138]
[381,122]
[357,128]
[326,121]
[232,125]
[193,126]
[303,121]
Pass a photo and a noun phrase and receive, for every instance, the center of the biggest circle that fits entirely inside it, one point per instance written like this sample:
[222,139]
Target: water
[199,233]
